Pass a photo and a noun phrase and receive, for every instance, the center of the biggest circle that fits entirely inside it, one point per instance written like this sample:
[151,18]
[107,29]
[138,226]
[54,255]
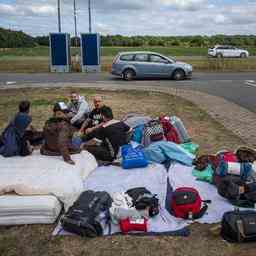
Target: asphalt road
[239,88]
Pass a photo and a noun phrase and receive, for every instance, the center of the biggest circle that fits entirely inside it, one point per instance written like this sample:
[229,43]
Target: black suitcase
[83,217]
[239,226]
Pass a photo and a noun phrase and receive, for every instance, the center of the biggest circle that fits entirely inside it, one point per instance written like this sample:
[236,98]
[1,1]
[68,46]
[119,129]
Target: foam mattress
[20,210]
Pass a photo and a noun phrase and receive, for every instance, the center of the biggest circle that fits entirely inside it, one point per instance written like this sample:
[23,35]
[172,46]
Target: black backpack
[143,198]
[230,188]
[239,226]
[83,217]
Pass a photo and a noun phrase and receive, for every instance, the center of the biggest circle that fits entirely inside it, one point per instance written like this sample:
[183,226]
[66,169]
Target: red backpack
[187,203]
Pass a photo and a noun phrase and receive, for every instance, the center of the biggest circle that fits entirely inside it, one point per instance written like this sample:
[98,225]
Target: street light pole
[59,21]
[90,17]
[75,21]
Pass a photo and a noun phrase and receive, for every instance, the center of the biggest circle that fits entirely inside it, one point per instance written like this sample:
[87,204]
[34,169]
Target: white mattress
[20,210]
[46,175]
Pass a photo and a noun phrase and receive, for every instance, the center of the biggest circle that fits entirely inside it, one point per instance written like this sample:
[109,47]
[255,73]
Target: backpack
[239,226]
[132,157]
[143,198]
[187,203]
[153,131]
[237,191]
[83,217]
[170,132]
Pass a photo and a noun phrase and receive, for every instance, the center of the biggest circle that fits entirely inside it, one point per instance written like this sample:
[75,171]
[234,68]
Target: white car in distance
[226,51]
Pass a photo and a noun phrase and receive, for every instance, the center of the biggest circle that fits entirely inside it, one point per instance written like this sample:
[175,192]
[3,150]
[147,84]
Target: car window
[157,59]
[127,57]
[141,57]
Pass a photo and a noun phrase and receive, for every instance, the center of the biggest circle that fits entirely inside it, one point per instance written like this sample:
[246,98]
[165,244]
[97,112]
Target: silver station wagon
[132,65]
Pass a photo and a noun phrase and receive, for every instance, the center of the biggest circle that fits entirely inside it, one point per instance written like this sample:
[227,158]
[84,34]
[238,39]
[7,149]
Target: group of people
[96,131]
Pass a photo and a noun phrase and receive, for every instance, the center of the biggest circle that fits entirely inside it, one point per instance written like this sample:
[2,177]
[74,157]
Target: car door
[159,66]
[141,64]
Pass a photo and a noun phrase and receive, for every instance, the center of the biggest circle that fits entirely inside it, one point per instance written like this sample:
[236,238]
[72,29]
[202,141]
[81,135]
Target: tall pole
[90,17]
[75,21]
[59,21]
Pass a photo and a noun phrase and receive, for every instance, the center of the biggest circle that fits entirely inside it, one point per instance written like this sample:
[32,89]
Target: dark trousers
[100,152]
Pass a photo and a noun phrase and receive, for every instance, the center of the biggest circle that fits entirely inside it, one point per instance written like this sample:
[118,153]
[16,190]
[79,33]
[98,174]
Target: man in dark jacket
[13,141]
[58,134]
[112,133]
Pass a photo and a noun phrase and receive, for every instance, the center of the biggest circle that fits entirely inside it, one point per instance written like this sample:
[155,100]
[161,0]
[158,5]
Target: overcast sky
[133,17]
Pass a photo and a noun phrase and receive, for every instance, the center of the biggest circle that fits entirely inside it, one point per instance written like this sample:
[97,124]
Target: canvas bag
[239,226]
[132,157]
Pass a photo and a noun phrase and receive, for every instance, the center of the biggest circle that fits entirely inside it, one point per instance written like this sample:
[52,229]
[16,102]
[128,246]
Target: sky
[133,17]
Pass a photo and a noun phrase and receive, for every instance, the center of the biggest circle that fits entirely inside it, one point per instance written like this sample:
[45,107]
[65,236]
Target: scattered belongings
[153,184]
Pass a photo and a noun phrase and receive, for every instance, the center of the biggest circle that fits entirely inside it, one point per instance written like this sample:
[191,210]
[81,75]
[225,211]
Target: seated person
[58,134]
[13,141]
[79,110]
[95,117]
[112,133]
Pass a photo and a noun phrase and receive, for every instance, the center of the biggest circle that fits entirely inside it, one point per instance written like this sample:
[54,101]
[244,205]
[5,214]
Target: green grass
[36,240]
[32,60]
[112,51]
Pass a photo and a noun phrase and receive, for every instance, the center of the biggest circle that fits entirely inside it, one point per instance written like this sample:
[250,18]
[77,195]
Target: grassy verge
[40,64]
[112,51]
[33,60]
[37,241]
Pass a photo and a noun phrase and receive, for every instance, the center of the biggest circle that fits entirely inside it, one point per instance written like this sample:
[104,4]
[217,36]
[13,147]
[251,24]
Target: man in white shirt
[79,109]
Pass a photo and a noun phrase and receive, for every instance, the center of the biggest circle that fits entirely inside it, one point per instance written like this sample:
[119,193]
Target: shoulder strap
[201,212]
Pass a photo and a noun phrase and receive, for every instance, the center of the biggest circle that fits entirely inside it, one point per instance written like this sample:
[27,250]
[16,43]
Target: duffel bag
[187,204]
[133,158]
[239,226]
[83,217]
[144,199]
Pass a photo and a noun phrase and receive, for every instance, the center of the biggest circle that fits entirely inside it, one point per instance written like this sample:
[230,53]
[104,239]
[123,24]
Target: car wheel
[219,55]
[128,75]
[243,55]
[178,75]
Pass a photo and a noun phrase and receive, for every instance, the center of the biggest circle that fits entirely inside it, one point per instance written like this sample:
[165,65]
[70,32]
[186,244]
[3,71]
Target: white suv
[221,51]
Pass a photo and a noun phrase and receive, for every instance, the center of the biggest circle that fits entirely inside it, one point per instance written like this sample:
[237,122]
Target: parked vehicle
[221,51]
[131,65]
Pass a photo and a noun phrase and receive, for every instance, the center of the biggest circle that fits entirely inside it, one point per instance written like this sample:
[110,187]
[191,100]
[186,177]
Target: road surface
[239,87]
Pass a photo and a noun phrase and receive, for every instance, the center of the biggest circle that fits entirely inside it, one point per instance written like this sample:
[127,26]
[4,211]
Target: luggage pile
[93,211]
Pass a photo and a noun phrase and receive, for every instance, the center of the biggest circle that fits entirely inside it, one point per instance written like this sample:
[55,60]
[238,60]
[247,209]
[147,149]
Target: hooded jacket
[58,133]
[79,109]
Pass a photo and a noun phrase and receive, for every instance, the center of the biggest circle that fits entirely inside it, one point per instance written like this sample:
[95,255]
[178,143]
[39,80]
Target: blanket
[46,175]
[115,179]
[181,176]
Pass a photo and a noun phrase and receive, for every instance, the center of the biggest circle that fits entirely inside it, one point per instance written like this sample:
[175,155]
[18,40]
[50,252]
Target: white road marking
[10,82]
[250,83]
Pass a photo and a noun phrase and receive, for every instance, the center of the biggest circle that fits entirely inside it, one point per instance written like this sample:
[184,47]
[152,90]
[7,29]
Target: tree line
[16,39]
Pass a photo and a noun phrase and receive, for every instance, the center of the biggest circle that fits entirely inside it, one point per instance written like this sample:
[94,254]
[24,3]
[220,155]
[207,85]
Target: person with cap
[79,110]
[58,134]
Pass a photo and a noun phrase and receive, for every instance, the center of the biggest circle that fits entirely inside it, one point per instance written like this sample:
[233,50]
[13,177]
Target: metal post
[90,17]
[75,21]
[59,21]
